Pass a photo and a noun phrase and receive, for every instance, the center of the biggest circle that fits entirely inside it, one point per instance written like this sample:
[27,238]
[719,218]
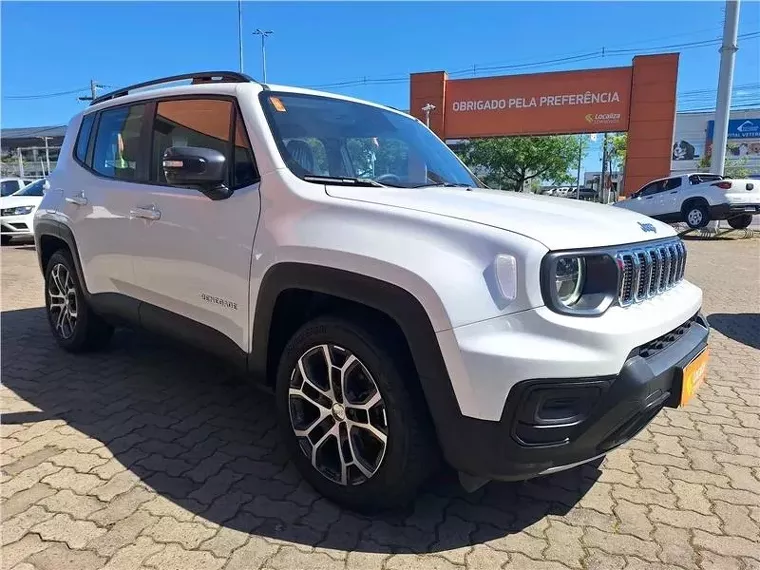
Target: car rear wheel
[74,325]
[740,222]
[353,428]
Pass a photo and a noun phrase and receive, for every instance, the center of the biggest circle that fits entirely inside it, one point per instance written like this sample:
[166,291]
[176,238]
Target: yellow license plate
[693,376]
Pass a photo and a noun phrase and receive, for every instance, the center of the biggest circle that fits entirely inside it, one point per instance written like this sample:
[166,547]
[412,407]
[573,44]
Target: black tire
[740,222]
[411,451]
[5,240]
[88,331]
[696,215]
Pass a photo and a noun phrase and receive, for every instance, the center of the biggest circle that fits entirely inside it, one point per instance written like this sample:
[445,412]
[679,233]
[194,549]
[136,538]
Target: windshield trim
[264,95]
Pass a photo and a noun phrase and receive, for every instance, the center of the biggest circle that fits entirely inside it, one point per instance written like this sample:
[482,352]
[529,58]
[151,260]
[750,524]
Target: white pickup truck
[696,199]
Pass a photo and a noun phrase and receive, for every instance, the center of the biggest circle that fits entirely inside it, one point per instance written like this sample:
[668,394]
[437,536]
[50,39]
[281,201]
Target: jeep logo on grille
[648,227]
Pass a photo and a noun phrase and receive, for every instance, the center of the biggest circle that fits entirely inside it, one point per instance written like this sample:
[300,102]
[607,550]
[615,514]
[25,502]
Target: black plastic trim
[395,302]
[628,401]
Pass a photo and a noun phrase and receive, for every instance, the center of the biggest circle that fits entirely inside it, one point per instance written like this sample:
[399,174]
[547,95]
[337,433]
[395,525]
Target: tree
[732,167]
[618,148]
[507,163]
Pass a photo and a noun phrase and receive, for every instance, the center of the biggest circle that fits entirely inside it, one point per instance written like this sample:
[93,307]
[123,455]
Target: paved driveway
[152,456]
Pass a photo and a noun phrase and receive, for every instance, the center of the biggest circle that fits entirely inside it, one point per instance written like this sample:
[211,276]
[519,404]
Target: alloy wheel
[338,414]
[63,301]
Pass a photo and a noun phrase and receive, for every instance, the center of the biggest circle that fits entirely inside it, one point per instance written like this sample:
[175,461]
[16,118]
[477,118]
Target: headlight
[580,283]
[20,211]
[569,279]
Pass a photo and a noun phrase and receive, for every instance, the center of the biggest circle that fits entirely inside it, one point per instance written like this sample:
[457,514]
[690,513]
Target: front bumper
[729,210]
[552,424]
[17,225]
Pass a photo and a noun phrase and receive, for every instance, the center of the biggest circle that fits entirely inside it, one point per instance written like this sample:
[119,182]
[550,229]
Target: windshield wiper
[444,185]
[343,180]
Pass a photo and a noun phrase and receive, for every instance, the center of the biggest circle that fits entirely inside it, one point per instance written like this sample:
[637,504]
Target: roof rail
[198,77]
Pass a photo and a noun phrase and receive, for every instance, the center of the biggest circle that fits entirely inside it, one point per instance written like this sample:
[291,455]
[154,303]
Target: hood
[558,223]
[16,201]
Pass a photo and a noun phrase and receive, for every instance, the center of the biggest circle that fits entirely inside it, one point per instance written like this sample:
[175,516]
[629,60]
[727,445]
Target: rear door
[98,189]
[194,254]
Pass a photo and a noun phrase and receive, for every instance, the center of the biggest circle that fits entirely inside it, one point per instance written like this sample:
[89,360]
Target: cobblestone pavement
[150,456]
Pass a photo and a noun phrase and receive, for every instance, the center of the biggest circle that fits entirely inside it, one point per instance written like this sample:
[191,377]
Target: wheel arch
[401,309]
[50,236]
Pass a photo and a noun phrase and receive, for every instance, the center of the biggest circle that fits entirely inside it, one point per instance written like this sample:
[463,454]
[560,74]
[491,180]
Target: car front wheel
[353,427]
[696,216]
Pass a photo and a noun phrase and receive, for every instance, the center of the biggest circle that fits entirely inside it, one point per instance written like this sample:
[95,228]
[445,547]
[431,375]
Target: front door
[195,253]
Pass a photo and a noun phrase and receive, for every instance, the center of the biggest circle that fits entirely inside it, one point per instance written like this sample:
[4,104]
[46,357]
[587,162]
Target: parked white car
[17,211]
[696,199]
[347,260]
[12,185]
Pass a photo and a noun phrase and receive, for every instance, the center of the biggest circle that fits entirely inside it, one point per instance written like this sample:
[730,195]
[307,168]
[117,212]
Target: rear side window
[117,143]
[83,139]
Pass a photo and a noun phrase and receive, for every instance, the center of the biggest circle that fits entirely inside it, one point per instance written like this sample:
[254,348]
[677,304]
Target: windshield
[332,138]
[34,189]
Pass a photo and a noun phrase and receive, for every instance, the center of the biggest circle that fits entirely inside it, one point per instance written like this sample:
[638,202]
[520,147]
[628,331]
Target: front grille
[648,270]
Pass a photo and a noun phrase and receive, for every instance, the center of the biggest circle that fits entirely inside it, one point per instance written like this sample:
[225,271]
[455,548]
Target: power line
[585,56]
[46,95]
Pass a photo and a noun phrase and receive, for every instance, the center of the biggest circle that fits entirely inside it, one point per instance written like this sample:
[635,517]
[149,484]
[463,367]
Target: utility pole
[580,159]
[47,153]
[725,83]
[602,185]
[20,163]
[264,34]
[240,33]
[93,91]
[426,109]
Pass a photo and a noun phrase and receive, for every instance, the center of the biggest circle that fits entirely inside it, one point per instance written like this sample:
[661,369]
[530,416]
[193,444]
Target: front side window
[117,143]
[327,137]
[201,123]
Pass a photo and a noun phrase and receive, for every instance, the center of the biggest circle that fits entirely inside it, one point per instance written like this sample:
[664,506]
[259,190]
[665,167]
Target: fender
[399,304]
[59,230]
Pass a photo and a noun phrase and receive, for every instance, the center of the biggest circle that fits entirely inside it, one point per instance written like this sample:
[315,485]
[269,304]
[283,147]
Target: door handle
[648,198]
[674,192]
[79,199]
[146,212]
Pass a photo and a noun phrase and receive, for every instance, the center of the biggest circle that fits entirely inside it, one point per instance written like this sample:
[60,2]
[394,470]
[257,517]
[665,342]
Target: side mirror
[45,187]
[202,168]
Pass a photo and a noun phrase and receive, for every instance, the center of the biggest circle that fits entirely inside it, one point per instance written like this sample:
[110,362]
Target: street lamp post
[240,33]
[426,109]
[264,34]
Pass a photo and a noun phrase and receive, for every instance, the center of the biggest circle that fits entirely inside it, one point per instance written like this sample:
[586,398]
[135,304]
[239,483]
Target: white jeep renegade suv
[345,258]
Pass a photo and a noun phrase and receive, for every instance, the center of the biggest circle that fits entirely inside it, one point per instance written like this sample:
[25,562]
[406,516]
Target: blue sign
[738,129]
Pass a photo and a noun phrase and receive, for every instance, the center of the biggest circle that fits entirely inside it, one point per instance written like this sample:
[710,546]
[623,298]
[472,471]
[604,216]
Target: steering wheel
[389,177]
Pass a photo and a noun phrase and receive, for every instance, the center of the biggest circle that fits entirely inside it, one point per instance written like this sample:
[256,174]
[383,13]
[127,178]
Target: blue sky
[59,46]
